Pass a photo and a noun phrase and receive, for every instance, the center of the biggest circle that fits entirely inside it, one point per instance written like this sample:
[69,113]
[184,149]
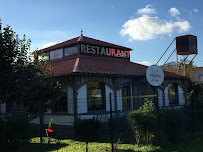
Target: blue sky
[146,26]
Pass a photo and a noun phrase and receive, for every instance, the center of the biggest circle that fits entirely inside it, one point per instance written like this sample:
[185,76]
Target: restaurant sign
[103,51]
[155,75]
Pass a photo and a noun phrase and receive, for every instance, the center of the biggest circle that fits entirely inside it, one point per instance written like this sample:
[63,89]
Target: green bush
[51,124]
[14,131]
[171,123]
[143,123]
[87,129]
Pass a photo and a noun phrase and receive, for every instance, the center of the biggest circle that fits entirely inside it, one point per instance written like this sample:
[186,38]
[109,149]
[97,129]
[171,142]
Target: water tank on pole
[186,45]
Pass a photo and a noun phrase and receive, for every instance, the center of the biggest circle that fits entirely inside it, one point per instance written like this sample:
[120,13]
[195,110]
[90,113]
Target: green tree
[194,94]
[24,78]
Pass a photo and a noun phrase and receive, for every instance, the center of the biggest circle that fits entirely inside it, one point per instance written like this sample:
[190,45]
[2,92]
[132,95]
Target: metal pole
[191,99]
[177,62]
[165,51]
[168,58]
[184,64]
[41,126]
[157,101]
[157,108]
[111,122]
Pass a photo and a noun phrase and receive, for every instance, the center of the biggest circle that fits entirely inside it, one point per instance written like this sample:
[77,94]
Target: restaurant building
[91,69]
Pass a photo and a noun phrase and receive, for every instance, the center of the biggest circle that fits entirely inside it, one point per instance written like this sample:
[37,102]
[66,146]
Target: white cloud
[196,10]
[145,63]
[146,10]
[49,44]
[146,27]
[174,12]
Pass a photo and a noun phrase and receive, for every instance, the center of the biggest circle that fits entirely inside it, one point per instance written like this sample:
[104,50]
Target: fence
[113,131]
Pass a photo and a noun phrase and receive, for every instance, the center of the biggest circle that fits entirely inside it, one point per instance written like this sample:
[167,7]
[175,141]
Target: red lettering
[118,53]
[113,52]
[108,52]
[123,53]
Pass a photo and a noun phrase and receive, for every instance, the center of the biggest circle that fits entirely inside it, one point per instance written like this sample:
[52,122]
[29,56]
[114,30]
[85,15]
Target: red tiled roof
[83,39]
[98,65]
[62,66]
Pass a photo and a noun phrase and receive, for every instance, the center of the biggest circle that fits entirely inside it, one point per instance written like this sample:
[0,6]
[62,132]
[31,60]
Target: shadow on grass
[35,147]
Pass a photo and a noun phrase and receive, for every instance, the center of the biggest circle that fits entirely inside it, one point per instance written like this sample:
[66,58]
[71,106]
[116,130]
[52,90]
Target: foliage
[51,124]
[194,94]
[24,77]
[14,131]
[172,124]
[87,129]
[143,123]
[148,106]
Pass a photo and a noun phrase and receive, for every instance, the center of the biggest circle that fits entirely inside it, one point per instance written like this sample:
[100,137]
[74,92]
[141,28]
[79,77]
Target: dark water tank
[186,45]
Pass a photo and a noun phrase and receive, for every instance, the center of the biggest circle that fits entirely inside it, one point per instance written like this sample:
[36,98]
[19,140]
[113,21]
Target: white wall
[119,100]
[166,96]
[101,118]
[109,90]
[70,100]
[58,120]
[180,95]
[160,97]
[82,99]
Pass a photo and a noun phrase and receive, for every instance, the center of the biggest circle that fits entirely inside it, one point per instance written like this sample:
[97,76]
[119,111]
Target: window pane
[71,50]
[173,93]
[125,96]
[95,94]
[47,56]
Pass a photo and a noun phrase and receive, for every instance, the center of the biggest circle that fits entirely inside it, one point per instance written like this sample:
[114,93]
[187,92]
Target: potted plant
[50,130]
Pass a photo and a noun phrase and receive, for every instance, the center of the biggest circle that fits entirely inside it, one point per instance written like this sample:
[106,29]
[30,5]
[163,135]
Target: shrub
[143,123]
[172,124]
[14,131]
[86,129]
[51,124]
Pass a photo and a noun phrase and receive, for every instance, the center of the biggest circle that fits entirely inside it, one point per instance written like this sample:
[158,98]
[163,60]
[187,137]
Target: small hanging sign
[155,75]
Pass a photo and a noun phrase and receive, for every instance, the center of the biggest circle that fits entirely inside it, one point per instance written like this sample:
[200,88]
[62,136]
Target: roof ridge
[107,42]
[80,38]
[59,43]
[76,68]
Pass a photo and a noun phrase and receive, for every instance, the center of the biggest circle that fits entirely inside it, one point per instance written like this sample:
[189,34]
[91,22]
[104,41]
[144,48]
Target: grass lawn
[190,143]
[69,145]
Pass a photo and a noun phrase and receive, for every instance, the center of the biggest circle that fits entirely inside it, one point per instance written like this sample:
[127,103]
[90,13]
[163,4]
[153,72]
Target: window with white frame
[173,94]
[96,96]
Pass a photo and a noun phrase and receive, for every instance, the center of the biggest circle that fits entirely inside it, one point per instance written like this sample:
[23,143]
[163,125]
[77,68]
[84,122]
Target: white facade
[108,91]
[82,99]
[160,98]
[166,97]
[180,95]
